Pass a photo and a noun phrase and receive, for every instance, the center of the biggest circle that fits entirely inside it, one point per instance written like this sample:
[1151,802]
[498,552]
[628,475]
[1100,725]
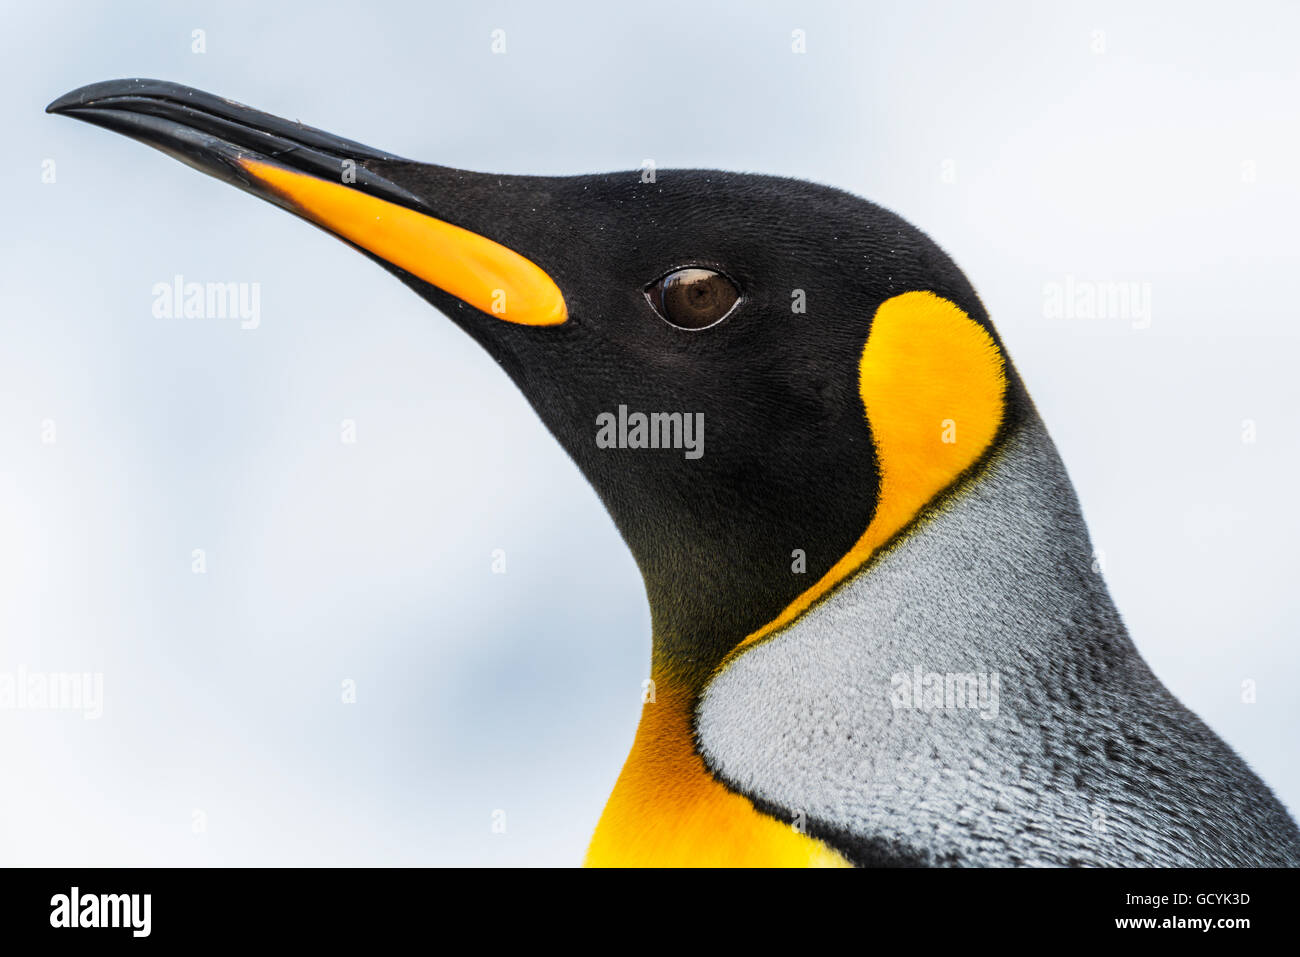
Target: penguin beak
[324,179]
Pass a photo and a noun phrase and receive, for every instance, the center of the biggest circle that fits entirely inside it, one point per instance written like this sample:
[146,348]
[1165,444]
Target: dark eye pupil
[693,298]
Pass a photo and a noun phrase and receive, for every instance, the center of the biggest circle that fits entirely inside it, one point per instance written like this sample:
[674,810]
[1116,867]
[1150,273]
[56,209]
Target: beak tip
[64,103]
[84,96]
[80,97]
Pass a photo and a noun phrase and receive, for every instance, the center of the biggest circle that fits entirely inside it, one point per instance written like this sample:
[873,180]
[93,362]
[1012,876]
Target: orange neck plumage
[668,811]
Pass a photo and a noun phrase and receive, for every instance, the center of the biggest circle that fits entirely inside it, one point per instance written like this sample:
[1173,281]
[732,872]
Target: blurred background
[1039,147]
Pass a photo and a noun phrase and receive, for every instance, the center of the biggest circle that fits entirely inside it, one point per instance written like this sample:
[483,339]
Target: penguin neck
[1009,532]
[1021,483]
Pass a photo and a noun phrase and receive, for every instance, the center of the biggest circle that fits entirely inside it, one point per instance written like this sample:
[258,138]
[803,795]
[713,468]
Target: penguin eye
[693,298]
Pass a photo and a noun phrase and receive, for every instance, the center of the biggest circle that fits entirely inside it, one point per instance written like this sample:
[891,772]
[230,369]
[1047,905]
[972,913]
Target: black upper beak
[212,134]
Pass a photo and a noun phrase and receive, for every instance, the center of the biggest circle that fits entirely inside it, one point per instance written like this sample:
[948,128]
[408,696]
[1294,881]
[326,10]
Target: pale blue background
[372,562]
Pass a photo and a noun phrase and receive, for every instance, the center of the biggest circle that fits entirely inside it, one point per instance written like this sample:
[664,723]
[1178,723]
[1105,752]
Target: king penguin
[878,636]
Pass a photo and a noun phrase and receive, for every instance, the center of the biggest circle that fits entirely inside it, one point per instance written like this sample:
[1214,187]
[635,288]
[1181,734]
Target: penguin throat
[933,386]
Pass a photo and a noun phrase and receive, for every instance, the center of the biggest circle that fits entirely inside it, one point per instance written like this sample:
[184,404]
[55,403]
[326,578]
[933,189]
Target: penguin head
[704,345]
